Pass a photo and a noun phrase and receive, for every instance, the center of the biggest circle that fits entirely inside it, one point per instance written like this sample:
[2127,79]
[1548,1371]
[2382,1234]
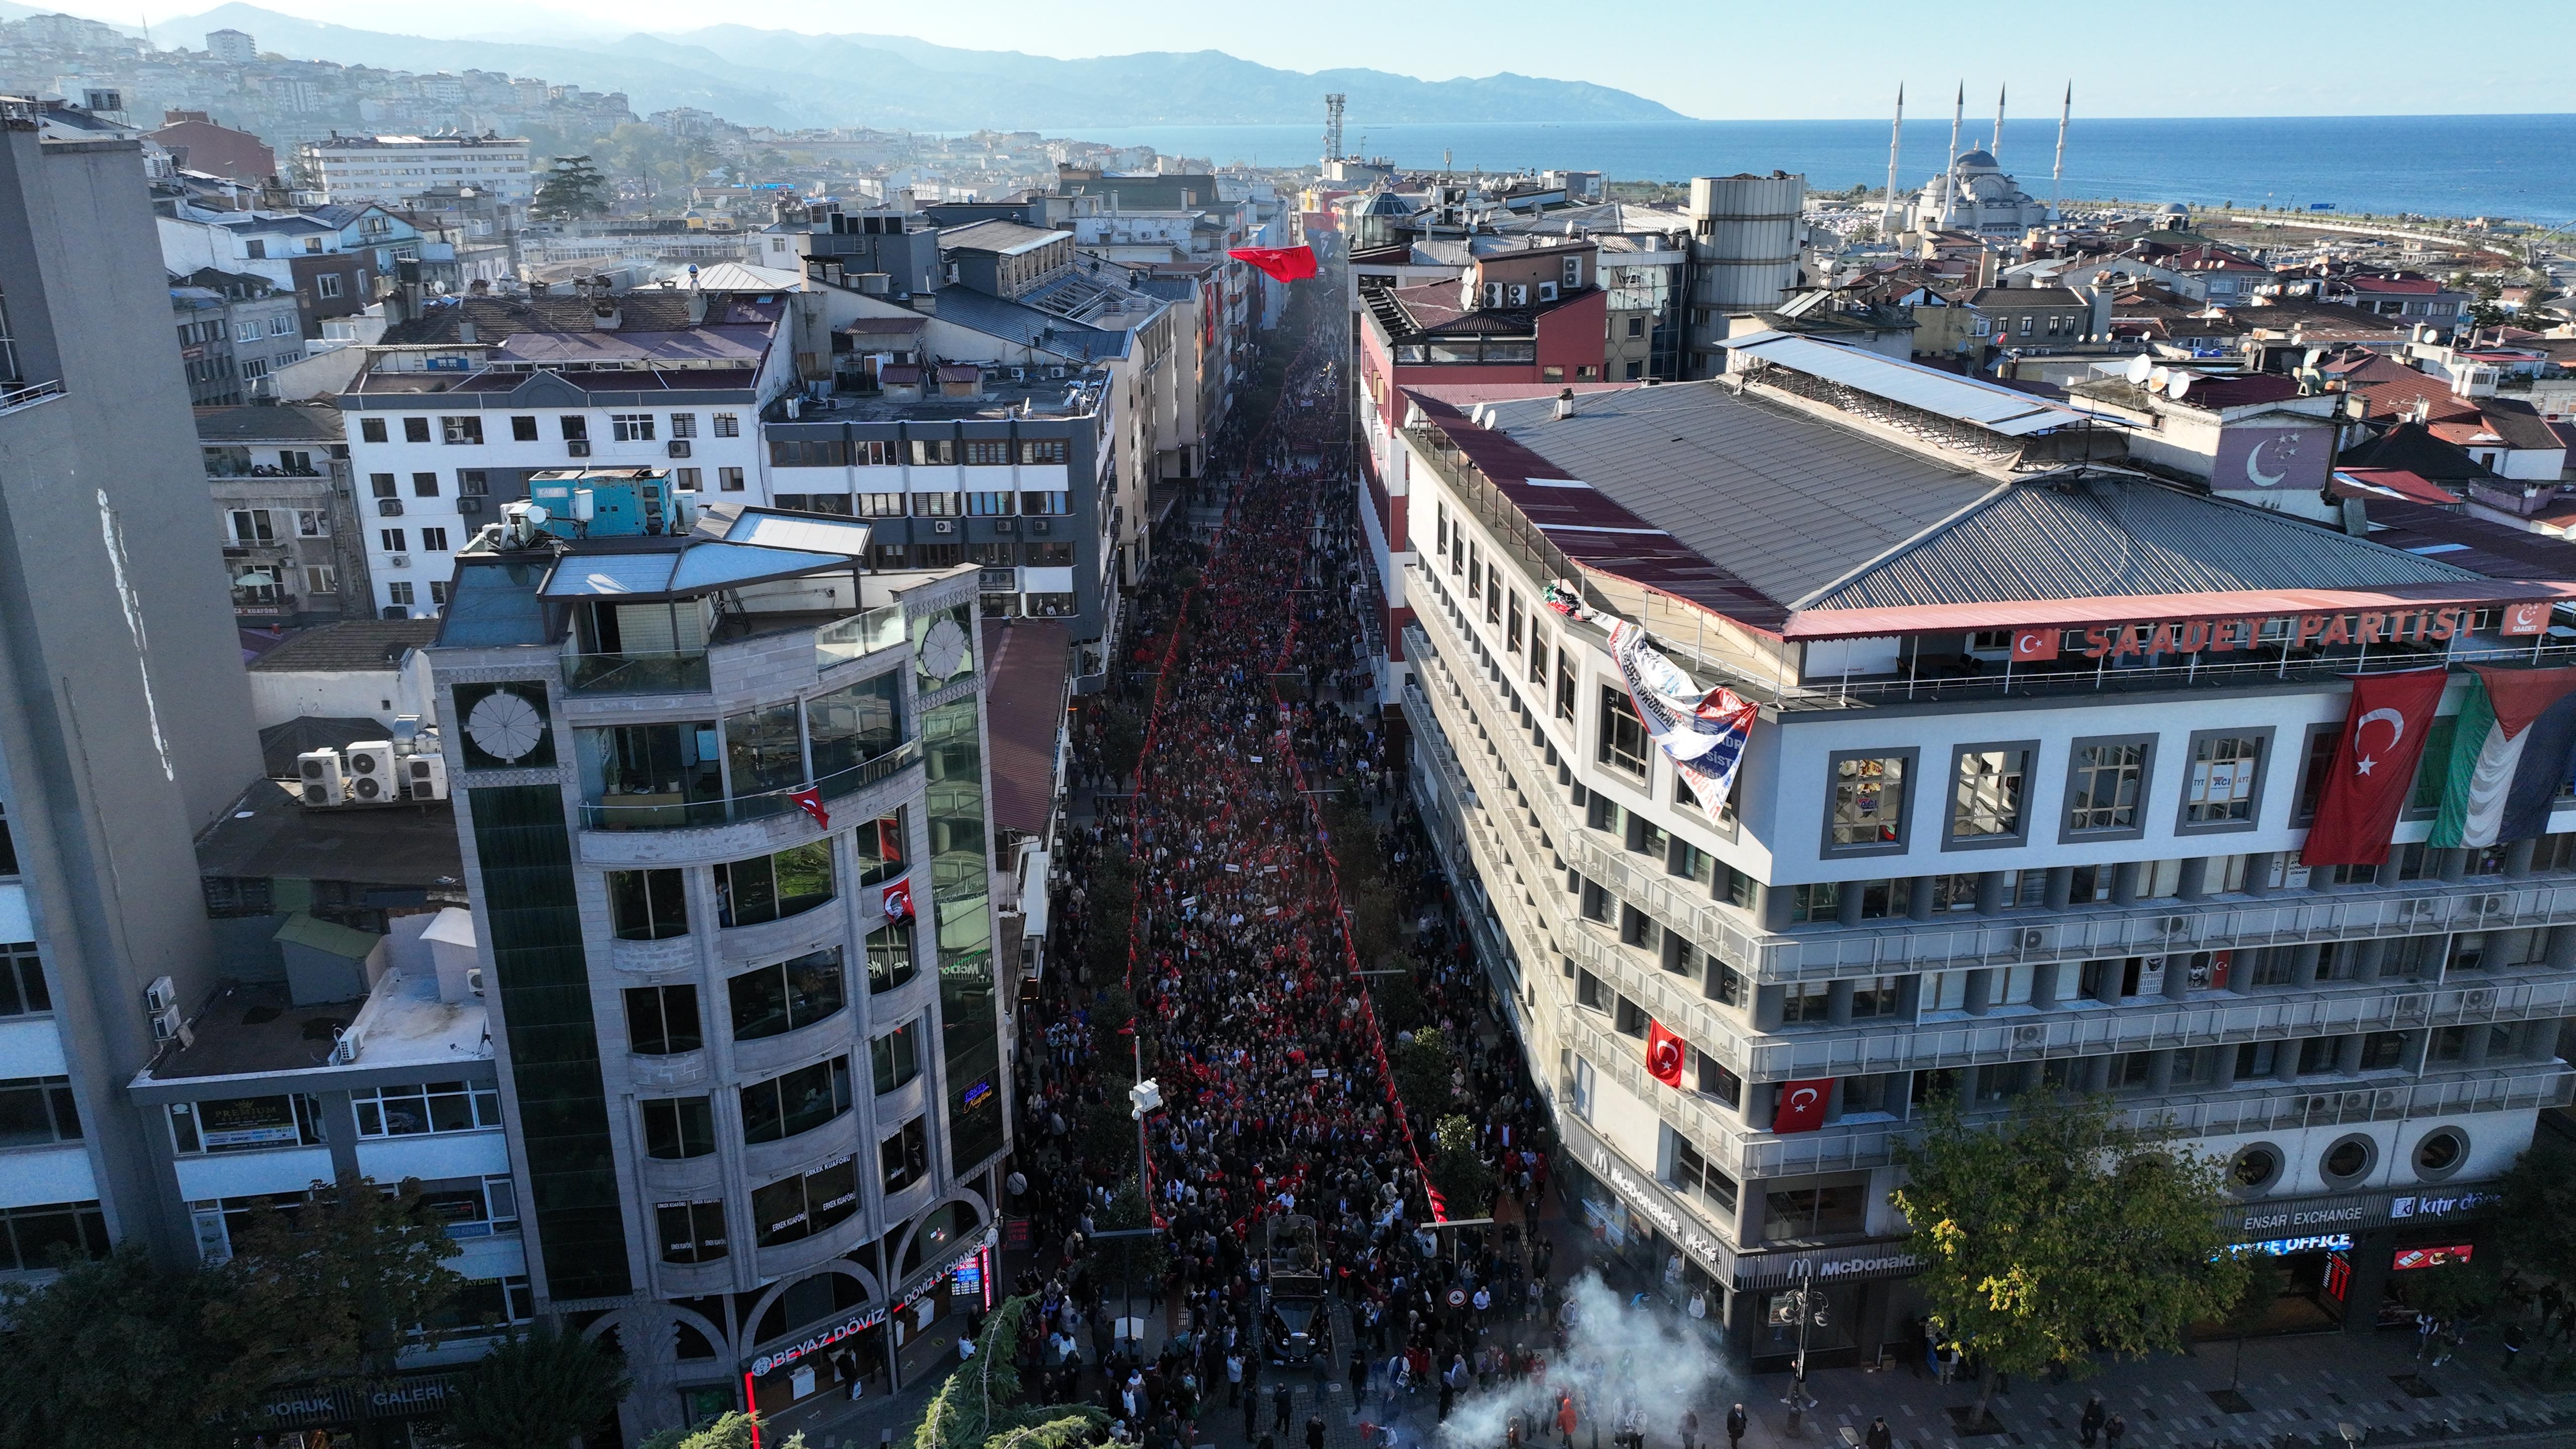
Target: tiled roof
[650,309]
[2413,487]
[280,423]
[351,644]
[2413,448]
[2497,550]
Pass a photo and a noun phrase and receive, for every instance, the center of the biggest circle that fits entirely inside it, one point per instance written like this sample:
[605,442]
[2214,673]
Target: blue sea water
[2512,166]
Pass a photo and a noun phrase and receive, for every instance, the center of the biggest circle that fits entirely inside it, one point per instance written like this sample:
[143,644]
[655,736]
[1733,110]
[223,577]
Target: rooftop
[1025,662]
[270,835]
[646,319]
[351,644]
[1001,238]
[1032,395]
[307,423]
[256,1027]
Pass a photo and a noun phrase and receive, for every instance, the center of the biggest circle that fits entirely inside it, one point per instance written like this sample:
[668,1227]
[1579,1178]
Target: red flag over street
[1802,1105]
[2033,646]
[810,800]
[898,901]
[1663,1054]
[1287,264]
[2374,766]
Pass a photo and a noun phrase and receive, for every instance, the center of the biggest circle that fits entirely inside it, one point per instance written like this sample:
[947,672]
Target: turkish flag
[2525,619]
[1663,1054]
[898,900]
[2034,646]
[810,800]
[1287,264]
[1802,1105]
[2374,766]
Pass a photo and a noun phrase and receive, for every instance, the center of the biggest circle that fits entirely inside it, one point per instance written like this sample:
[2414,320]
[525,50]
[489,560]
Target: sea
[2495,166]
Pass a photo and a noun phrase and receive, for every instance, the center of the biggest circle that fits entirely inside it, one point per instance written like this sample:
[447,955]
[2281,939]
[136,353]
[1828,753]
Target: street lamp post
[1803,1302]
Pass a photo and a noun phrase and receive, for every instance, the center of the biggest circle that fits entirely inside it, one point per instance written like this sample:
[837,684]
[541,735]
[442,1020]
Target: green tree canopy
[981,1404]
[335,1286]
[573,188]
[1466,1181]
[537,1387]
[728,1431]
[1422,1068]
[2535,1225]
[2057,1233]
[116,1352]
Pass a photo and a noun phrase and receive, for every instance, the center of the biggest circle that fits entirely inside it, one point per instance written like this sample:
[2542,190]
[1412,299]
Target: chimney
[697,308]
[604,315]
[1565,402]
[465,330]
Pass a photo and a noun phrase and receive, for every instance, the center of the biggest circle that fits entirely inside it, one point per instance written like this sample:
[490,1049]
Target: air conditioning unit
[2176,925]
[469,505]
[371,772]
[1041,525]
[425,777]
[2034,938]
[344,1050]
[474,979]
[1547,291]
[2478,1000]
[167,1025]
[679,447]
[2028,1035]
[1520,294]
[389,508]
[398,560]
[161,995]
[319,778]
[577,447]
[2490,905]
[1006,525]
[943,525]
[1493,294]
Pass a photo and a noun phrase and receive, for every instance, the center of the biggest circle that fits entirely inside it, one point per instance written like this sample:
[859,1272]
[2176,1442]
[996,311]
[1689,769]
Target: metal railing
[858,636]
[28,396]
[670,671]
[760,805]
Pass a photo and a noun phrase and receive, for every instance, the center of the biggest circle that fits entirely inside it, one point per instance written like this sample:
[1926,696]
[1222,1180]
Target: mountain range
[782,78]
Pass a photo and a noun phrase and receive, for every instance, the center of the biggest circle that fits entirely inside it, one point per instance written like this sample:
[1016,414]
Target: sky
[1714,59]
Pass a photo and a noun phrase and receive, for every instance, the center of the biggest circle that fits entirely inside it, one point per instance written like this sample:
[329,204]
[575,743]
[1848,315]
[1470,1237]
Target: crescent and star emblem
[2397,731]
[1799,1099]
[2254,473]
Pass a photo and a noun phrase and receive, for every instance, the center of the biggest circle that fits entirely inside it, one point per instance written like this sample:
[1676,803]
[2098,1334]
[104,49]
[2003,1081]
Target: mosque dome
[1979,161]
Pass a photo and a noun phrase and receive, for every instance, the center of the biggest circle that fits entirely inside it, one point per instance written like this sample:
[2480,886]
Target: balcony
[669,671]
[858,636]
[637,813]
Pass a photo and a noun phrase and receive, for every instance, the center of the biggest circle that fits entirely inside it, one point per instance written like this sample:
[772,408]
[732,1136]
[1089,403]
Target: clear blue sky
[1722,59]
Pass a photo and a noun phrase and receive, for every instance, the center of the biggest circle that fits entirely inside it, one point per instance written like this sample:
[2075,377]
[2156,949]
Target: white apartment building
[391,168]
[463,399]
[2038,749]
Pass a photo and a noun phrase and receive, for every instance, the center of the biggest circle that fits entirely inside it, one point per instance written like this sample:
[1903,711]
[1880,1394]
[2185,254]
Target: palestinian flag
[2509,756]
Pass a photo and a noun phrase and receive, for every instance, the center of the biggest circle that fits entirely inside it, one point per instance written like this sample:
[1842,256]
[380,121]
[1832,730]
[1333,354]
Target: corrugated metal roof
[1786,501]
[1945,394]
[2105,537]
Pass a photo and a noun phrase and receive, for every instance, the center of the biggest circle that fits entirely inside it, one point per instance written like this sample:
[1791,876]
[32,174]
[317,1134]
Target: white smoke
[1616,1358]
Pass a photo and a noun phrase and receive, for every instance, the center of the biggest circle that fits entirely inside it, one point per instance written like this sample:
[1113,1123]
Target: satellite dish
[2138,368]
[2157,379]
[2180,384]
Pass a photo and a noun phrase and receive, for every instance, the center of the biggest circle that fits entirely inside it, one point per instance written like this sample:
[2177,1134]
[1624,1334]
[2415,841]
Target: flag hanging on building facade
[898,900]
[2373,769]
[1663,1054]
[1703,734]
[1287,264]
[1802,1105]
[2508,756]
[810,800]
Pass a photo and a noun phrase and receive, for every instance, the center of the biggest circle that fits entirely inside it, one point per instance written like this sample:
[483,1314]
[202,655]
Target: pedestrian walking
[1234,1378]
[1735,1423]
[1359,1379]
[1879,1436]
[2114,1430]
[1690,1430]
[2089,1426]
[1315,1430]
[1565,1418]
[1280,1405]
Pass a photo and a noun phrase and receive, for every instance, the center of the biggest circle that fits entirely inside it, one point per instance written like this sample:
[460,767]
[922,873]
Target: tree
[116,1352]
[1422,1067]
[2059,1232]
[731,1430]
[1400,1007]
[572,189]
[537,1387]
[336,1285]
[2535,1225]
[1466,1181]
[979,1407]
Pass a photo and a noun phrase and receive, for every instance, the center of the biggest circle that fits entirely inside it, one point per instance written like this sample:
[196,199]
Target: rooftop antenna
[2057,178]
[1997,149]
[1333,125]
[1896,132]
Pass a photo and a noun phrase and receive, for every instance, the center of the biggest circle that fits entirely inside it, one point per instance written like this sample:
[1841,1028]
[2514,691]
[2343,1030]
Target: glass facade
[525,849]
[960,884]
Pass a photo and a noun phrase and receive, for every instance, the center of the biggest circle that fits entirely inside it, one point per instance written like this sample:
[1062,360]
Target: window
[729,480]
[399,595]
[2106,779]
[796,1102]
[2225,781]
[1945,991]
[252,525]
[934,452]
[1475,572]
[647,905]
[415,430]
[1821,901]
[425,1107]
[679,1127]
[937,505]
[904,1158]
[692,1232]
[1493,594]
[684,425]
[466,430]
[576,428]
[1805,1001]
[1564,683]
[774,887]
[799,1207]
[890,962]
[36,1111]
[424,485]
[1538,652]
[392,539]
[1817,1212]
[1623,735]
[244,1124]
[321,579]
[879,505]
[433,540]
[31,1236]
[987,452]
[523,428]
[1723,984]
[1868,807]
[1692,1174]
[1716,1080]
[473,1207]
[1043,450]
[630,427]
[896,1057]
[371,430]
[991,505]
[1874,997]
[1600,812]
[1986,794]
[662,1021]
[1046,504]
[327,287]
[786,995]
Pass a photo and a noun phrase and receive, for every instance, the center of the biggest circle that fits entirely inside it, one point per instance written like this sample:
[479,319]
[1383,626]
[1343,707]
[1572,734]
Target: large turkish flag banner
[1802,1105]
[2374,766]
[1663,1054]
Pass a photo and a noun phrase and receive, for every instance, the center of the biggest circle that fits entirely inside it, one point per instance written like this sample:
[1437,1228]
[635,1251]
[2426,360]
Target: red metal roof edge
[2126,608]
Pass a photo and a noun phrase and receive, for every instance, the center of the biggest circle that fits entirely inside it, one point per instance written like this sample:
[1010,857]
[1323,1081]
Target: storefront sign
[2286,1247]
[1648,1199]
[859,1322]
[2409,1259]
[2438,1206]
[2313,1215]
[400,1399]
[1827,1265]
[247,1122]
[2289,631]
